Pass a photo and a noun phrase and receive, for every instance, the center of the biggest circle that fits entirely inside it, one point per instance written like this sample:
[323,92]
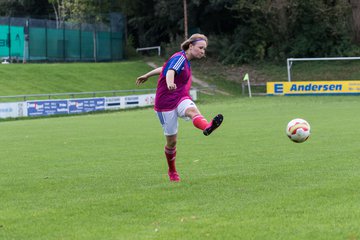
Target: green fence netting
[46,40]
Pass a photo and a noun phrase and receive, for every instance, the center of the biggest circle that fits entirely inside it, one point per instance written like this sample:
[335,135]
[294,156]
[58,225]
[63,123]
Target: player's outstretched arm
[170,79]
[144,78]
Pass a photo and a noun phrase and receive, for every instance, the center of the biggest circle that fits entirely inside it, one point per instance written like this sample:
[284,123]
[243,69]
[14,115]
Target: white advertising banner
[113,103]
[13,109]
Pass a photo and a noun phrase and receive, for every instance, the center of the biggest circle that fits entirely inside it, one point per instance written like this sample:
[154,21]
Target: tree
[80,11]
[24,8]
[276,29]
[59,7]
[355,7]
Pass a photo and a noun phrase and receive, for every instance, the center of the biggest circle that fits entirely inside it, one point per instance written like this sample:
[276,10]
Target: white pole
[246,78]
[289,63]
[249,87]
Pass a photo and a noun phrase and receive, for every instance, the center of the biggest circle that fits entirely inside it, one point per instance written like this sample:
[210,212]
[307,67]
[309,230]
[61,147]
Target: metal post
[80,35]
[64,53]
[111,45]
[26,40]
[95,43]
[289,69]
[9,38]
[46,41]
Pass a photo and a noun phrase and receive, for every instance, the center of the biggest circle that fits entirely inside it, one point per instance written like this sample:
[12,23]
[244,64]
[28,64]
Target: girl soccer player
[173,100]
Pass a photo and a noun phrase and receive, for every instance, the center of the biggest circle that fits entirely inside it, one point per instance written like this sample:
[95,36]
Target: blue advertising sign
[47,107]
[86,105]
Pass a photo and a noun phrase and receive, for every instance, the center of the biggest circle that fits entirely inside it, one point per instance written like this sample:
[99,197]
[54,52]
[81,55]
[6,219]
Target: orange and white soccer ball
[298,130]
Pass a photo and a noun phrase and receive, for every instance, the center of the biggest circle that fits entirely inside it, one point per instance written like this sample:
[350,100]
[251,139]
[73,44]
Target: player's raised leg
[200,122]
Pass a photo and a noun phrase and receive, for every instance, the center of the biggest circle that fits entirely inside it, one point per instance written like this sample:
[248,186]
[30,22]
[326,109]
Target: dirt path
[204,84]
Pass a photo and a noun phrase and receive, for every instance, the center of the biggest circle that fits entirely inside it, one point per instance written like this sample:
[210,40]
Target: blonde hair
[194,38]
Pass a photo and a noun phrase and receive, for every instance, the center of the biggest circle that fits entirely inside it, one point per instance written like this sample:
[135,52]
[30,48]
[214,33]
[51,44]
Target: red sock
[200,122]
[170,154]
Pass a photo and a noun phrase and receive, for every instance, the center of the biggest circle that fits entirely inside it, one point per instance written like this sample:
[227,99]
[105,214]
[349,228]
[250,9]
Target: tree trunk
[185,20]
[355,6]
[280,6]
[56,16]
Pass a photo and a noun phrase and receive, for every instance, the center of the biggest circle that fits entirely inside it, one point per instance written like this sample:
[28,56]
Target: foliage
[160,21]
[319,29]
[130,51]
[24,8]
[246,31]
[80,11]
[276,29]
[242,30]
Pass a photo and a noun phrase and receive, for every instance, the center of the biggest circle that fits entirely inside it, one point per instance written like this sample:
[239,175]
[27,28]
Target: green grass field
[26,79]
[103,176]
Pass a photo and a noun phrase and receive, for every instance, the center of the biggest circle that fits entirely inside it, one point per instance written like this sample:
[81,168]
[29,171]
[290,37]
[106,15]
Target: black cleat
[215,123]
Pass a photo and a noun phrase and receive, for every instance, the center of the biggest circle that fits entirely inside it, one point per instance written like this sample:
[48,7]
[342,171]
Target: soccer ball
[298,130]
